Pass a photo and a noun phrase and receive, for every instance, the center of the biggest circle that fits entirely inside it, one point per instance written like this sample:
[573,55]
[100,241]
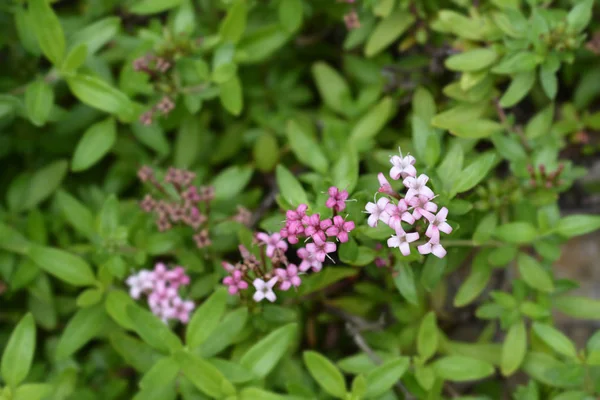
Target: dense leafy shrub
[198,199]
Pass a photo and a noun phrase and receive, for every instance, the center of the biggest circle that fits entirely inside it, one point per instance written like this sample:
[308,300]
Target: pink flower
[313,226]
[273,242]
[395,213]
[432,247]
[291,238]
[417,187]
[289,277]
[340,229]
[437,223]
[402,239]
[235,282]
[228,267]
[163,311]
[139,283]
[320,248]
[160,273]
[421,205]
[162,295]
[308,261]
[264,290]
[402,167]
[375,209]
[337,199]
[178,277]
[384,185]
[298,214]
[380,262]
[181,309]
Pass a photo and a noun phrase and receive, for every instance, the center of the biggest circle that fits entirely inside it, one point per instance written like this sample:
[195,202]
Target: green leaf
[163,373]
[370,124]
[152,330]
[485,228]
[461,369]
[81,328]
[262,357]
[116,305]
[152,136]
[95,143]
[96,35]
[187,145]
[262,43]
[146,7]
[427,338]
[459,115]
[548,77]
[230,94]
[207,378]
[514,348]
[472,60]
[231,181]
[555,339]
[75,213]
[383,378]
[97,93]
[474,172]
[520,85]
[477,129]
[33,391]
[534,274]
[63,265]
[39,99]
[47,28]
[578,307]
[206,318]
[291,190]
[233,26]
[12,240]
[577,224]
[327,375]
[265,152]
[18,353]
[332,87]
[226,332]
[325,278]
[580,16]
[523,61]
[252,393]
[43,183]
[519,232]
[305,147]
[89,297]
[388,31]
[290,14]
[475,283]
[359,386]
[345,170]
[107,220]
[75,59]
[540,124]
[405,282]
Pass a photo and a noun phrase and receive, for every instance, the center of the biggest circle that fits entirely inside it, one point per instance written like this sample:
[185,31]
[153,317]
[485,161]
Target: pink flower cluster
[299,224]
[416,205]
[161,286]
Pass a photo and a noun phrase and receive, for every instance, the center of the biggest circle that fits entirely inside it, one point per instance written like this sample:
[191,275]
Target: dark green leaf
[474,172]
[76,213]
[81,328]
[332,87]
[305,147]
[230,93]
[290,14]
[345,171]
[405,282]
[145,7]
[540,124]
[43,183]
[372,122]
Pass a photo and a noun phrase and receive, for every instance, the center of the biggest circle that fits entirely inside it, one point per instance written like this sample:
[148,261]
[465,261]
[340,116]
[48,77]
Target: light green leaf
[230,94]
[383,378]
[332,87]
[43,183]
[404,280]
[540,124]
[39,99]
[262,357]
[225,333]
[477,129]
[75,213]
[327,375]
[534,274]
[96,93]
[461,369]
[578,307]
[474,172]
[515,63]
[370,124]
[187,145]
[475,283]
[206,318]
[207,378]
[48,30]
[163,373]
[471,60]
[97,140]
[116,305]
[81,328]
[152,330]
[388,31]
[345,170]
[152,136]
[75,59]
[514,348]
[146,7]
[305,147]
[33,391]
[579,17]
[291,190]
[427,338]
[265,152]
[290,14]
[18,353]
[97,34]
[231,181]
[233,26]
[520,85]
[555,339]
[577,224]
[65,266]
[516,232]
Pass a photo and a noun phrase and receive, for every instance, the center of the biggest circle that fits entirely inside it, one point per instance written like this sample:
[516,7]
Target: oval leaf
[327,375]
[97,140]
[19,351]
[514,348]
[82,327]
[534,274]
[461,369]
[264,355]
[205,319]
[65,266]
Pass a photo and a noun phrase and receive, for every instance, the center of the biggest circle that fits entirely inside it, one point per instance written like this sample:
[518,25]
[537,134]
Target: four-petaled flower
[340,228]
[337,199]
[273,242]
[314,226]
[264,290]
[417,186]
[289,277]
[402,167]
[181,309]
[235,282]
[420,205]
[140,283]
[395,213]
[437,223]
[432,247]
[320,248]
[177,277]
[401,240]
[308,261]
[375,209]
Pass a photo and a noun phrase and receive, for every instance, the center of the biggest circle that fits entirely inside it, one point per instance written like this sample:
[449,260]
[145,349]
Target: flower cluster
[156,68]
[416,205]
[274,268]
[161,286]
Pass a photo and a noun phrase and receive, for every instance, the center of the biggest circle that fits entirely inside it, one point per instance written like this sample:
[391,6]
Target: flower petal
[438,250]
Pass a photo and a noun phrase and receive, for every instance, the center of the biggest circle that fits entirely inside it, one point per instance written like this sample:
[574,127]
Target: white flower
[402,167]
[376,209]
[417,187]
[434,248]
[402,239]
[140,283]
[264,289]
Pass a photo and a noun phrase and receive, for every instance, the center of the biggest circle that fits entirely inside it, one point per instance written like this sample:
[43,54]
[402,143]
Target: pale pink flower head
[417,187]
[177,277]
[288,277]
[308,261]
[401,240]
[162,295]
[164,311]
[291,238]
[402,167]
[320,248]
[437,223]
[421,205]
[384,185]
[264,290]
[181,309]
[313,226]
[337,199]
[297,214]
[227,266]
[273,242]
[235,282]
[376,209]
[160,273]
[340,228]
[139,283]
[395,213]
[433,247]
